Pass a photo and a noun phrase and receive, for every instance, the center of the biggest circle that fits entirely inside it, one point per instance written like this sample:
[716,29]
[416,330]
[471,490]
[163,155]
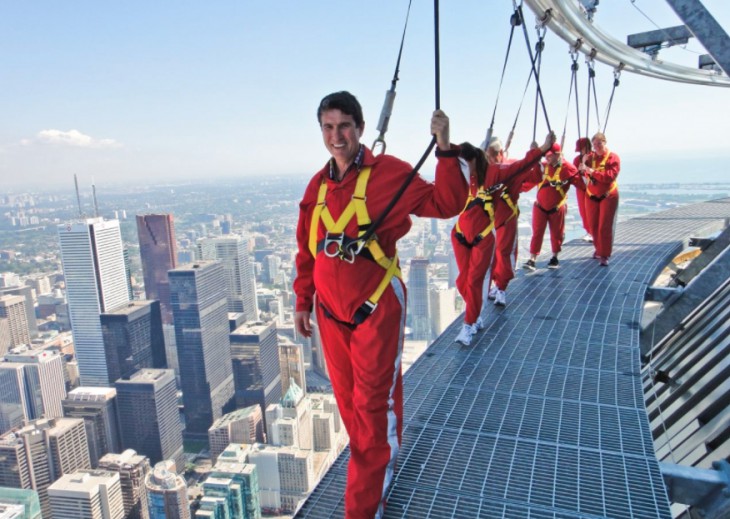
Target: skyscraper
[167,495]
[41,452]
[232,251]
[255,353]
[26,292]
[241,426]
[291,360]
[31,382]
[418,313]
[97,406]
[16,503]
[199,305]
[158,252]
[133,338]
[443,308]
[13,309]
[148,415]
[132,469]
[96,282]
[233,464]
[87,494]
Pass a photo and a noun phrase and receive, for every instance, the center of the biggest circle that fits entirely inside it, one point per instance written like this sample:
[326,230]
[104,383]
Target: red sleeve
[533,178]
[304,282]
[519,169]
[445,197]
[571,174]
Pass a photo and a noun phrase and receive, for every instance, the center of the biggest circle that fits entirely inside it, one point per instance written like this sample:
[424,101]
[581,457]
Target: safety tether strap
[600,167]
[541,35]
[573,86]
[616,76]
[387,109]
[591,88]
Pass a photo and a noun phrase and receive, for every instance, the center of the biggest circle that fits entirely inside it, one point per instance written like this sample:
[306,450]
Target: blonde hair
[600,136]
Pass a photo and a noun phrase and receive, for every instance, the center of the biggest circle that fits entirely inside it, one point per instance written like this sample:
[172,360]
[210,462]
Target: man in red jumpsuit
[550,206]
[355,288]
[601,168]
[583,148]
[473,236]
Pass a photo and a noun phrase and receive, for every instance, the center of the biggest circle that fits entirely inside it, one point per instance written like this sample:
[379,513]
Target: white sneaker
[492,292]
[480,324]
[465,335]
[588,238]
[500,299]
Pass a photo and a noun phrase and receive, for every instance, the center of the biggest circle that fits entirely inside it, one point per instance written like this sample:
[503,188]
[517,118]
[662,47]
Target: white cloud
[72,138]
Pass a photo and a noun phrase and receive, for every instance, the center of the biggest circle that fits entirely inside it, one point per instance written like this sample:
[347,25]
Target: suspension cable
[574,70]
[515,20]
[539,47]
[616,77]
[357,245]
[533,60]
[387,109]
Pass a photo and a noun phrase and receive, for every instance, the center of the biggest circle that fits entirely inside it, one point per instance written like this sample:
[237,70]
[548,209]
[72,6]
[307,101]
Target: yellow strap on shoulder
[392,270]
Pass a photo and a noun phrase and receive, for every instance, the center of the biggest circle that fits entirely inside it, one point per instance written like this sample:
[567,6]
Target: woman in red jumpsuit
[582,148]
[601,168]
[473,235]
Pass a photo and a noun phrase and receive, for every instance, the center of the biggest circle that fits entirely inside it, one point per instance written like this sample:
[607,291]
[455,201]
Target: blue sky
[150,92]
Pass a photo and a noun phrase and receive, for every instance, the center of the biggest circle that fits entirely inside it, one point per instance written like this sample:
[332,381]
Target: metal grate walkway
[543,416]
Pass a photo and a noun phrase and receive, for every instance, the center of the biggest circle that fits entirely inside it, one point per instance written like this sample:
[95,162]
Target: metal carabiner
[379,140]
[333,245]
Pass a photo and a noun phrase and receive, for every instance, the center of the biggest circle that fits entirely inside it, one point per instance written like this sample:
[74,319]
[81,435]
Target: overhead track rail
[569,21]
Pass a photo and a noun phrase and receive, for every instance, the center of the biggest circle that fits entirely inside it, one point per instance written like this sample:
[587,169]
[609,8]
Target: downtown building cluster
[98,425]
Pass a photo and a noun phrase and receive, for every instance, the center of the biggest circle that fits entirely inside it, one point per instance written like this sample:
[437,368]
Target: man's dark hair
[343,101]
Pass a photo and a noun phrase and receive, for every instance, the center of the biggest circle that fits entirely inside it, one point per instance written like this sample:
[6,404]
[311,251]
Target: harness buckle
[333,245]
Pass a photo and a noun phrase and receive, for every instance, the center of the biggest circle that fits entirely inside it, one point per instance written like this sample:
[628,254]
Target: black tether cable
[387,109]
[515,20]
[574,70]
[539,47]
[534,71]
[357,245]
[591,87]
[616,76]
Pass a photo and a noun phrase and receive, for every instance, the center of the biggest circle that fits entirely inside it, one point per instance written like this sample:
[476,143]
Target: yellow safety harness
[337,245]
[554,182]
[484,199]
[600,167]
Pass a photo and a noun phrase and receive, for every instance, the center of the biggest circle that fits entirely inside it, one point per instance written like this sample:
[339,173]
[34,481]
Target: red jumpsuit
[364,360]
[506,221]
[550,207]
[602,200]
[473,259]
[580,196]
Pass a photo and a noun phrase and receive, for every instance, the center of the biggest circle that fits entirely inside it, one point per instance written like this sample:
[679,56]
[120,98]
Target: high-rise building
[133,339]
[286,475]
[158,252]
[87,494]
[31,386]
[255,354]
[167,495]
[291,364]
[26,292]
[289,421]
[97,406]
[132,469]
[5,340]
[418,311]
[443,309]
[241,426]
[13,309]
[200,313]
[233,464]
[96,282]
[233,252]
[148,415]
[16,503]
[323,431]
[39,453]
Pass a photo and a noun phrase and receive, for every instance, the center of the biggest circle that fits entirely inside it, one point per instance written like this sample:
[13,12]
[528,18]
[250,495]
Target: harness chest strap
[600,167]
[487,203]
[356,207]
[554,182]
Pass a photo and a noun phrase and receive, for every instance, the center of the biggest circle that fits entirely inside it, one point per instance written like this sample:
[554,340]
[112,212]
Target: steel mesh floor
[543,416]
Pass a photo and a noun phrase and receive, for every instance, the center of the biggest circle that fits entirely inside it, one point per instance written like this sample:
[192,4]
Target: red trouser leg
[473,264]
[365,370]
[539,222]
[556,221]
[602,217]
[505,254]
[580,197]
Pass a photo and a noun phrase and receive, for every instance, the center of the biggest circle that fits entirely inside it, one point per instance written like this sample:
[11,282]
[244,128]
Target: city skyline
[148,93]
